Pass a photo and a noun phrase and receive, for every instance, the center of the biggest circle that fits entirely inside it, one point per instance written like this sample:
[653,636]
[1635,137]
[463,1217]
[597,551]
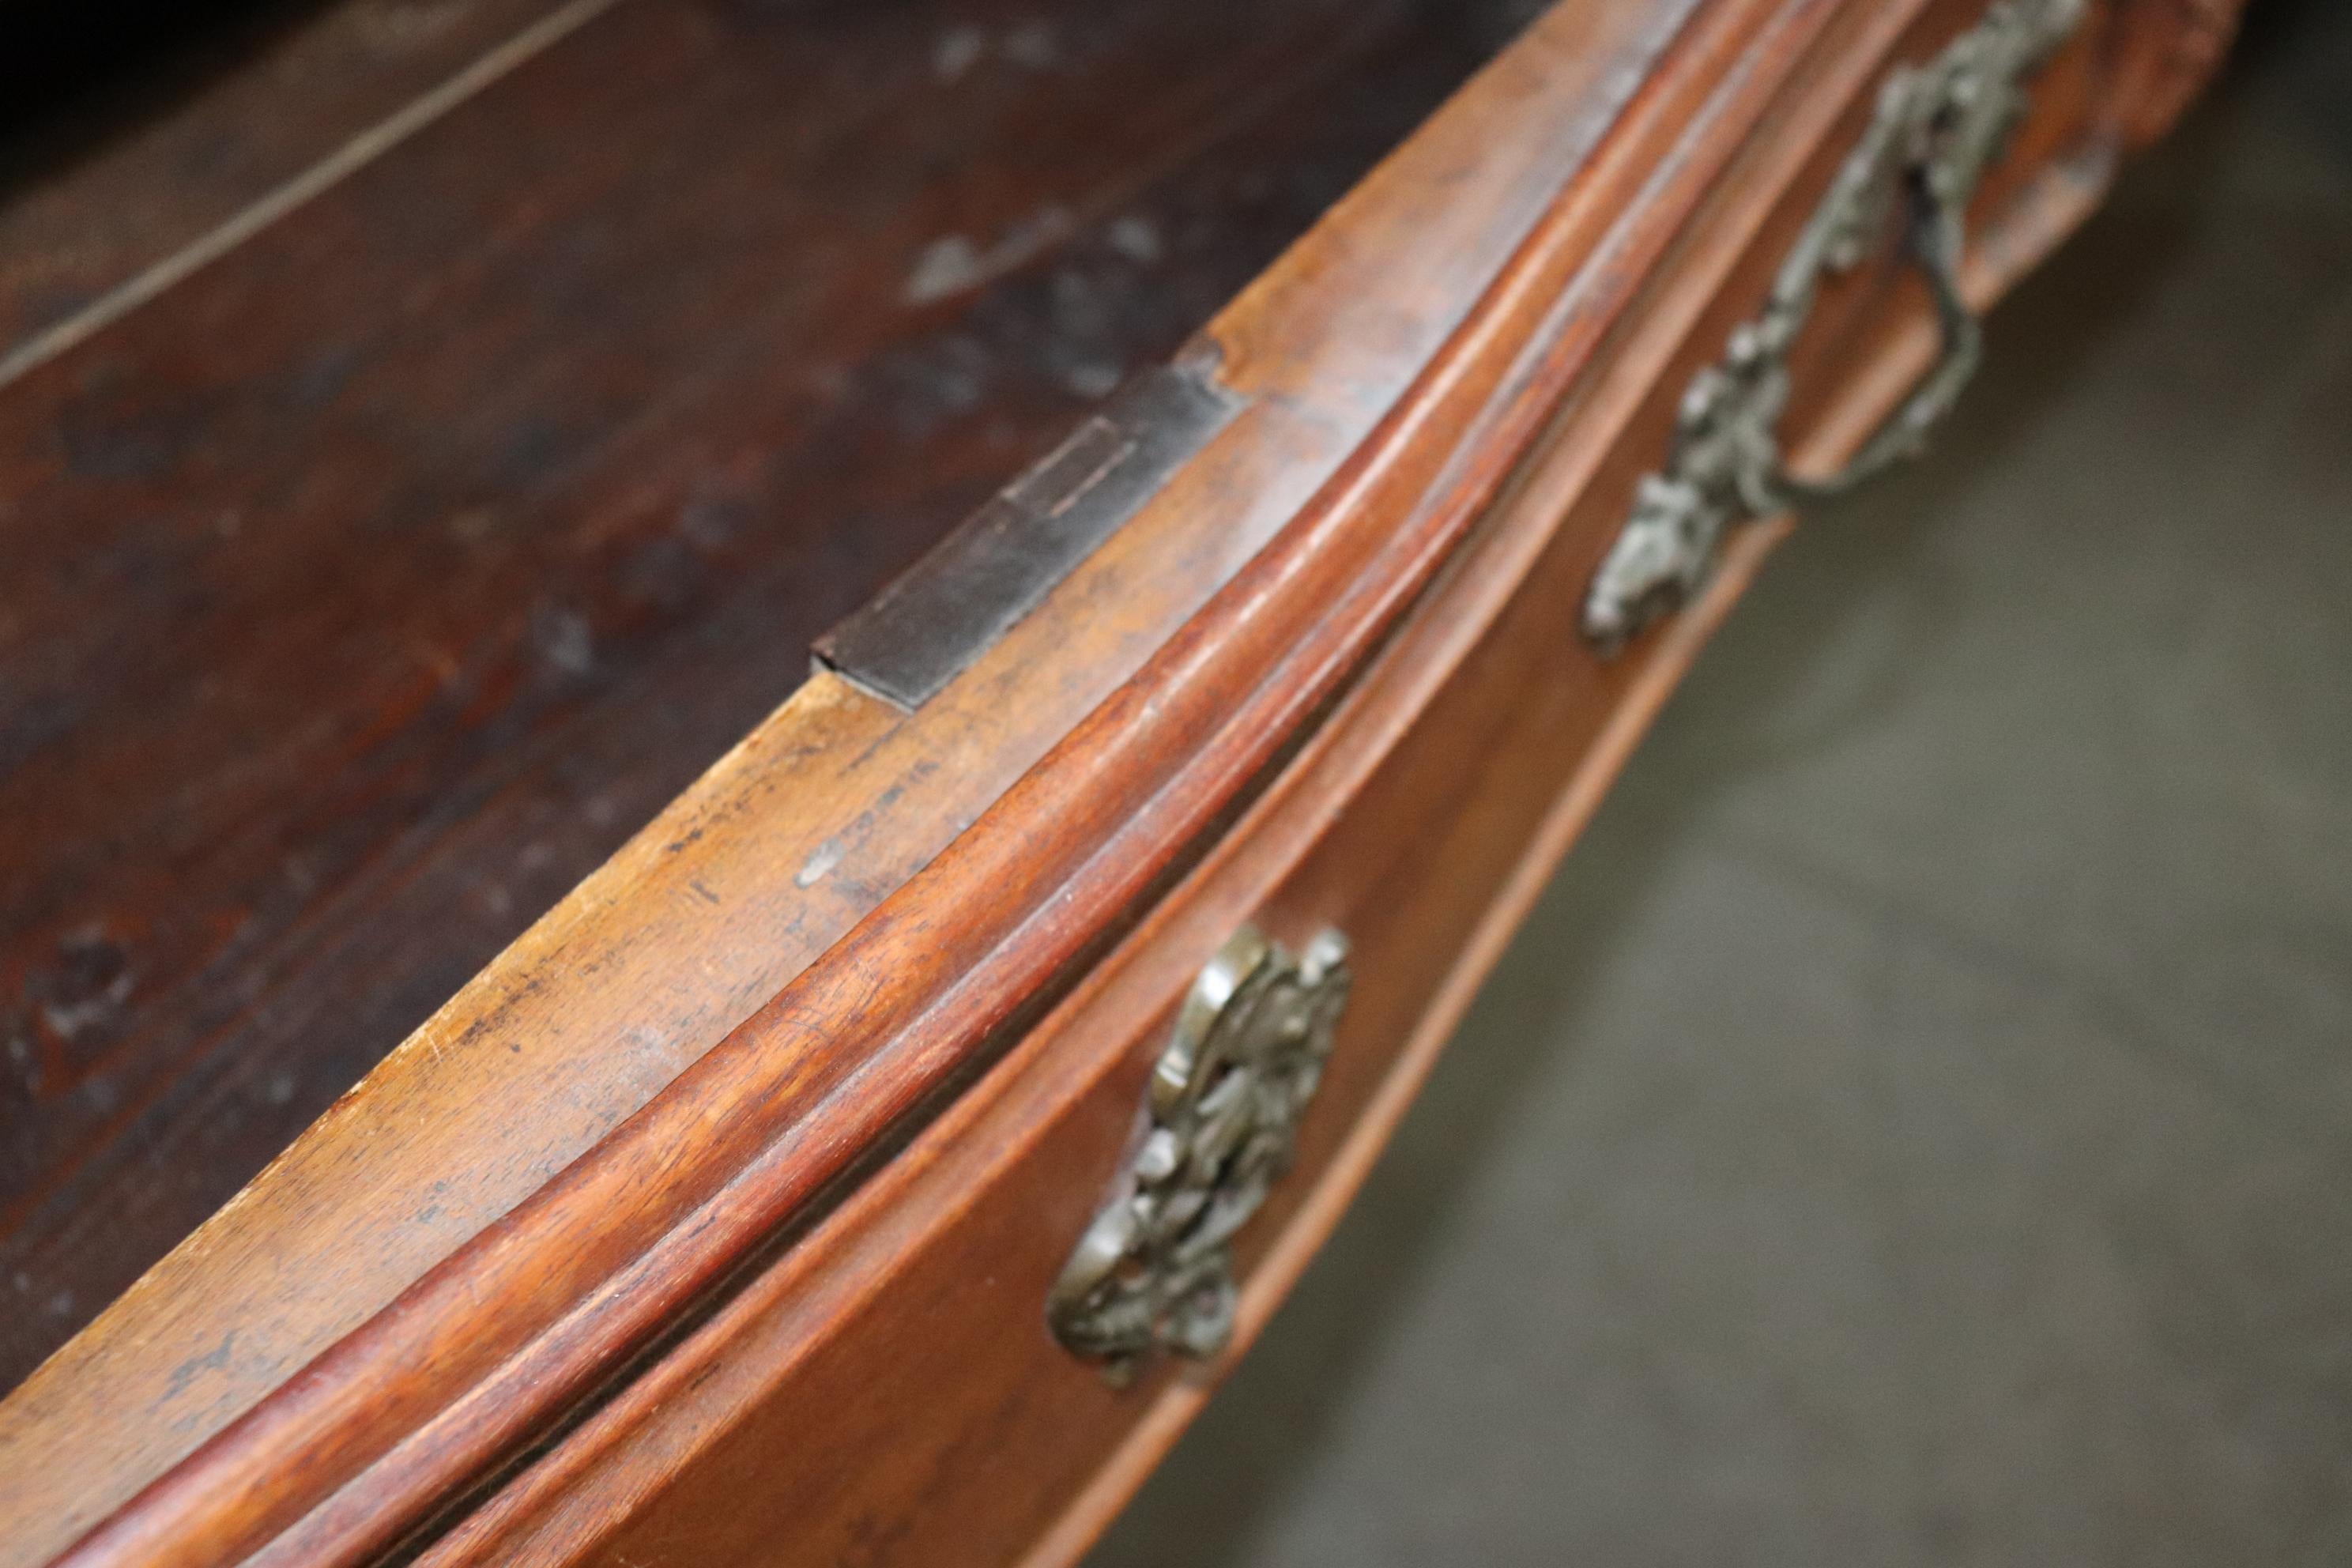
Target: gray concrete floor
[1916,1127]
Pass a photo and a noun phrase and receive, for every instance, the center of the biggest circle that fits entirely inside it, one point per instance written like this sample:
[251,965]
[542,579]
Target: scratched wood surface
[660,1212]
[798,833]
[886,1392]
[366,588]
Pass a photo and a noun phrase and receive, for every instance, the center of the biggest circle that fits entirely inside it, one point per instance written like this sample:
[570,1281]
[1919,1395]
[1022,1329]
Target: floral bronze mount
[1154,1271]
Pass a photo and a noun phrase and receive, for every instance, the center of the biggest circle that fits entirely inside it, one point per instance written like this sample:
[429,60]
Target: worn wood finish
[1407,621]
[1381,316]
[1422,819]
[266,808]
[137,138]
[827,808]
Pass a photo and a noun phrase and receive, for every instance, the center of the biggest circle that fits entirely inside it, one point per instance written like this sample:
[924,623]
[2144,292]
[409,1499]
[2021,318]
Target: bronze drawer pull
[1936,129]
[1154,1271]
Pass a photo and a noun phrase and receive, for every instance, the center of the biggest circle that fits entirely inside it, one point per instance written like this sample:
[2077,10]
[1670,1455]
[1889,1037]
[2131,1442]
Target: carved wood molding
[553,1308]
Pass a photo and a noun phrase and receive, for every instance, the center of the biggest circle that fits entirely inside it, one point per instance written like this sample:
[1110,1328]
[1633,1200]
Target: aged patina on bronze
[1937,128]
[1154,1271]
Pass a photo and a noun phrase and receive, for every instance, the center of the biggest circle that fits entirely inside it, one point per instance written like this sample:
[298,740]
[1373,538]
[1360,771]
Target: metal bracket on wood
[1936,129]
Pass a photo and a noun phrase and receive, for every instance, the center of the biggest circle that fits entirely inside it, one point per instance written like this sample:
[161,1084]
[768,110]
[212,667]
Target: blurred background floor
[1916,1127]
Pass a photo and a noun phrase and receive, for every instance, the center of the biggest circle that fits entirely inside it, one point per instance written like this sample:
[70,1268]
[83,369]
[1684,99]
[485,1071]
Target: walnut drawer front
[1332,685]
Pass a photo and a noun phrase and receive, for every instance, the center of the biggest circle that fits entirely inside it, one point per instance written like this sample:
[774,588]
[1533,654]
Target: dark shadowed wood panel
[132,131]
[364,591]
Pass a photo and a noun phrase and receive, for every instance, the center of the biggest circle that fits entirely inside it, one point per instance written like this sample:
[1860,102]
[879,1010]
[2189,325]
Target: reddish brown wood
[265,808]
[716,906]
[1538,390]
[850,1400]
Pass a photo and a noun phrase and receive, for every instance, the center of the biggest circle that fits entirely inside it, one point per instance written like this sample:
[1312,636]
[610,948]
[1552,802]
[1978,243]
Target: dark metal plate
[919,633]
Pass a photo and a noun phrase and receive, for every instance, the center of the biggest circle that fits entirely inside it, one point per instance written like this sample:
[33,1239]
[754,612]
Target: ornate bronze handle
[1154,1271]
[1936,129]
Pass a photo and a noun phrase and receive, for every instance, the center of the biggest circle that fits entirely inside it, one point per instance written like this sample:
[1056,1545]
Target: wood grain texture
[132,131]
[889,1392]
[1399,379]
[424,586]
[1107,617]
